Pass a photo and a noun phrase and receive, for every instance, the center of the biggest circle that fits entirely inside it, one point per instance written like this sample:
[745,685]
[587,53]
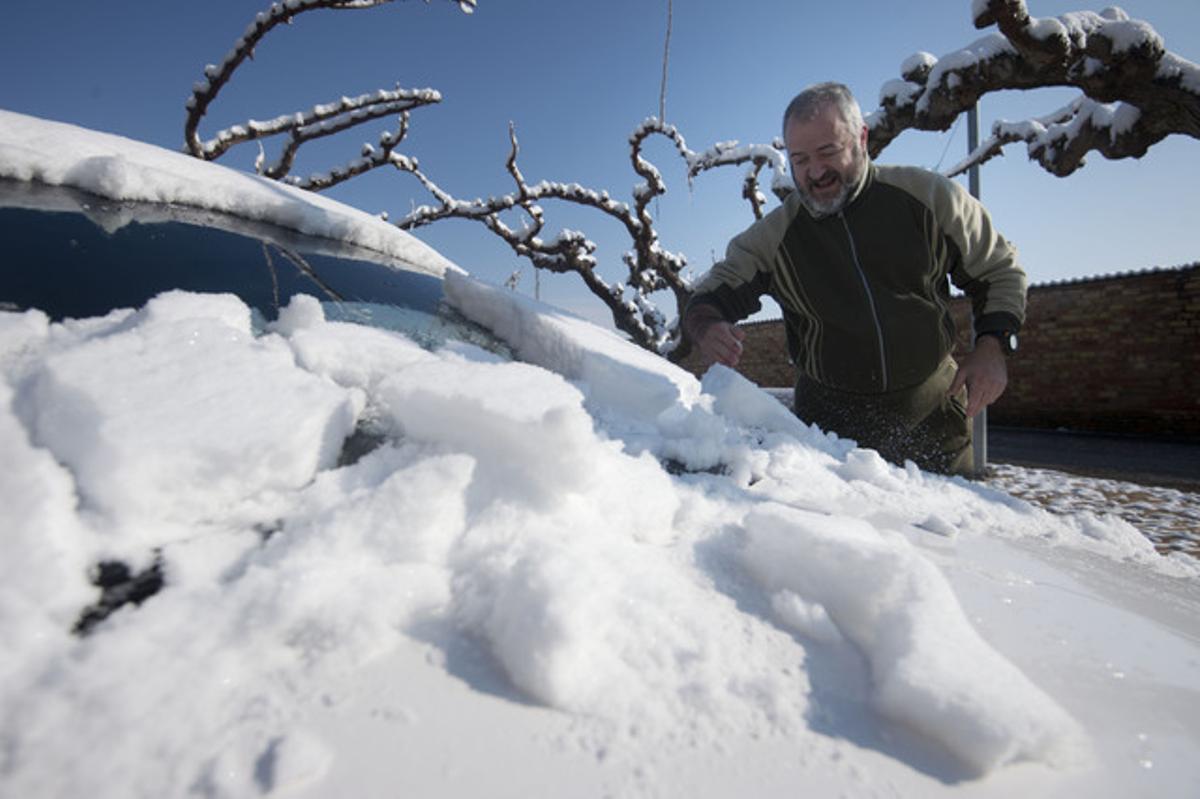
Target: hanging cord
[937,167]
[662,92]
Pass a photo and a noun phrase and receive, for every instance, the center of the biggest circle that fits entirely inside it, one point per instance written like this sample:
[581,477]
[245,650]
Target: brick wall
[1113,354]
[1116,354]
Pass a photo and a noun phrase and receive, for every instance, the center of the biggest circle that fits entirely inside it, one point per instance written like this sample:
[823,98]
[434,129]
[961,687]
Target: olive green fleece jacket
[864,292]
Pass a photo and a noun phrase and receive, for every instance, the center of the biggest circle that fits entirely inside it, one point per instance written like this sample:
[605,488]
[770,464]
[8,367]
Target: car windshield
[75,255]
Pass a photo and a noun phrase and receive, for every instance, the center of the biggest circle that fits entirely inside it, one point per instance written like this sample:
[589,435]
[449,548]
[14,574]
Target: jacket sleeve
[987,269]
[732,289]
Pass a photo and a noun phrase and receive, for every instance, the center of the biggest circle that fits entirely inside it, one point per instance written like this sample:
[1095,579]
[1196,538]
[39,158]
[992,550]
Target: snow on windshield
[654,607]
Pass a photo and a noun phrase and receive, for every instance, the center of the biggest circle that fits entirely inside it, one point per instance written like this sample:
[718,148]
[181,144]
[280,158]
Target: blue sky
[575,78]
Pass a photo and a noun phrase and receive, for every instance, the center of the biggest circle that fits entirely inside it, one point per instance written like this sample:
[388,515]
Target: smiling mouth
[825,182]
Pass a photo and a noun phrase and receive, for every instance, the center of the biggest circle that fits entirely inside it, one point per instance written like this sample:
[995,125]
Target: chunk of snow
[930,669]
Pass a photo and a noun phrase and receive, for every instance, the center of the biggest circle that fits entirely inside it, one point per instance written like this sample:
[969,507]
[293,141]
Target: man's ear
[862,138]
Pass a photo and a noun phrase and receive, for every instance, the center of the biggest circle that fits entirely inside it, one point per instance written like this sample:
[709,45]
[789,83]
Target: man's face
[828,160]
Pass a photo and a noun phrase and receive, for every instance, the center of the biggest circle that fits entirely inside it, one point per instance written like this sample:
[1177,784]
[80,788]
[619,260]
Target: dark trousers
[921,424]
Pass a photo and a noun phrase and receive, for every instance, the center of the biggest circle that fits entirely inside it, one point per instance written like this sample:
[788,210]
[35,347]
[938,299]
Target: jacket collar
[868,177]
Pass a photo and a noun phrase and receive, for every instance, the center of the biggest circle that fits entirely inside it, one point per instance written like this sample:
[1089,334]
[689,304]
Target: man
[859,258]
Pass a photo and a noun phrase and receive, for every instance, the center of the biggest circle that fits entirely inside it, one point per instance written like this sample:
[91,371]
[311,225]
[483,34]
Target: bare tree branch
[1134,91]
[758,156]
[569,251]
[1060,140]
[371,159]
[319,121]
[215,77]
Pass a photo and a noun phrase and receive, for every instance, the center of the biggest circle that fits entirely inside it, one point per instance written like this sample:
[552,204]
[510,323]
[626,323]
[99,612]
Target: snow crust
[582,574]
[118,168]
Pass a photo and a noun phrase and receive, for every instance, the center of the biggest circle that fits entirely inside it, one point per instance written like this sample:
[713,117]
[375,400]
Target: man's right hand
[722,343]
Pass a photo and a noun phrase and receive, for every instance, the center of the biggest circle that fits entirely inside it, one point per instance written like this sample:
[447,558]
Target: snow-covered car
[553,564]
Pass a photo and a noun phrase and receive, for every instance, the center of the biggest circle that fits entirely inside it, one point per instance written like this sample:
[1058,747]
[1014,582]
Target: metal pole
[979,424]
[972,143]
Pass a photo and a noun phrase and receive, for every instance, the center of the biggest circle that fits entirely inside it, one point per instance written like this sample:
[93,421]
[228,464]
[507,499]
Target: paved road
[1135,459]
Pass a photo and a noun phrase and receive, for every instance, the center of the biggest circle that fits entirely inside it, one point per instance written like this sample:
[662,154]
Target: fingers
[975,402]
[728,350]
[982,392]
[723,343]
[985,376]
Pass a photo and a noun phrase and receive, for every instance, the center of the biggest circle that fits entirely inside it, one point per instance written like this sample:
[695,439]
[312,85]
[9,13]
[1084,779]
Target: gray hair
[816,98]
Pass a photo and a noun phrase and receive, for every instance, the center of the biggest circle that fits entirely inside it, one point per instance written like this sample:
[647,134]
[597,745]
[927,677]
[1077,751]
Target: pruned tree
[1134,92]
[650,267]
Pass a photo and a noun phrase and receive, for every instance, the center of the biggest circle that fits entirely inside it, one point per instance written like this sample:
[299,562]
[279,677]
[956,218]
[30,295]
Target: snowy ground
[584,574]
[1169,517]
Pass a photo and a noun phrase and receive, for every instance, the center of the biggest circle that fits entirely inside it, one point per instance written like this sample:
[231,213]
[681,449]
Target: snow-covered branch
[1134,91]
[650,267]
[758,156]
[371,158]
[569,251]
[721,154]
[321,120]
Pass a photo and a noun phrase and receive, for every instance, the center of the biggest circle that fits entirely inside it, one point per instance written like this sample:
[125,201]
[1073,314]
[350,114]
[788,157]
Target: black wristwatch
[1008,340]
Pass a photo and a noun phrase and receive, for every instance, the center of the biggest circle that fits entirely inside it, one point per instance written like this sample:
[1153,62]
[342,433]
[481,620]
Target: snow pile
[117,168]
[496,508]
[629,380]
[641,398]
[132,456]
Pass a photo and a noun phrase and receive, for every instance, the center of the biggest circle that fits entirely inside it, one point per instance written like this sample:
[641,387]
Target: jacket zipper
[870,299]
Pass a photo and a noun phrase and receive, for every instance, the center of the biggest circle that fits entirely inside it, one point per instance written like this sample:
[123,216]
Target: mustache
[826,178]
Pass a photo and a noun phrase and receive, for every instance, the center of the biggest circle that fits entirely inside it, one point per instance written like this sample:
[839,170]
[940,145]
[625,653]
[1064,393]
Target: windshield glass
[73,255]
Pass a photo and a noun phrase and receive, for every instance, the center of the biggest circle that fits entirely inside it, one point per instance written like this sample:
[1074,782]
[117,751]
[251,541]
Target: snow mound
[929,667]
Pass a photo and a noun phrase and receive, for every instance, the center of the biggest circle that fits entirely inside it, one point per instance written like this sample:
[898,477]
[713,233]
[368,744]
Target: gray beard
[822,208]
